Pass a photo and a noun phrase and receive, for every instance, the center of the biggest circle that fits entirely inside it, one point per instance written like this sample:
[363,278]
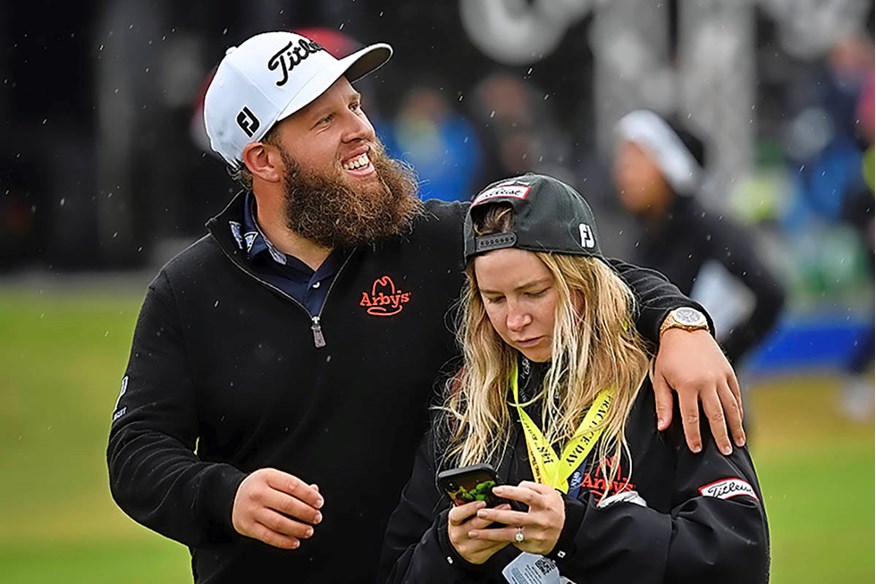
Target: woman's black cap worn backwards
[549,216]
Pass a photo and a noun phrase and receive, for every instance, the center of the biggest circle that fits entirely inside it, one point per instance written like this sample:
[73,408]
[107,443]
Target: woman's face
[520,297]
[639,182]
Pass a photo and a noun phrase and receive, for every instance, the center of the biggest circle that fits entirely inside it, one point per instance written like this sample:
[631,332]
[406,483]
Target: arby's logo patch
[384,298]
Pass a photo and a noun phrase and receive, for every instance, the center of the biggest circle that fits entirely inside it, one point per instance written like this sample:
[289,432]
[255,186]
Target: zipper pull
[318,339]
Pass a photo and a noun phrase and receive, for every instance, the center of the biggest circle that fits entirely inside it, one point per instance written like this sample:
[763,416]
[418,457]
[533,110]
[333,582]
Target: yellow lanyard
[547,468]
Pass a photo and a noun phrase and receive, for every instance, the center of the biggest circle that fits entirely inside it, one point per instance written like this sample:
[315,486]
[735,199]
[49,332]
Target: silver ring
[519,537]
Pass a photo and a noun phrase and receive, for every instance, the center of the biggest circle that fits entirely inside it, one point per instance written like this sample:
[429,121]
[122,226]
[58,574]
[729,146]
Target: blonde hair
[594,348]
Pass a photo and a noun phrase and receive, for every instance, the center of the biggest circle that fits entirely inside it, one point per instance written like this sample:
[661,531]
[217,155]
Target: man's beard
[327,210]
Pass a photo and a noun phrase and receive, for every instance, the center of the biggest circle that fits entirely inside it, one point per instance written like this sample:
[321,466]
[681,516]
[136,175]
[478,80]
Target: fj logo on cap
[247,121]
[290,56]
[587,239]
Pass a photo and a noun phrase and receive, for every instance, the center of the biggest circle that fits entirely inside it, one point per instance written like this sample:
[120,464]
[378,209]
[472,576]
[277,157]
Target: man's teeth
[359,162]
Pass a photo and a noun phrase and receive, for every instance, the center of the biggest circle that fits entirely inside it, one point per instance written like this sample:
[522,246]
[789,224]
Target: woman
[658,173]
[554,394]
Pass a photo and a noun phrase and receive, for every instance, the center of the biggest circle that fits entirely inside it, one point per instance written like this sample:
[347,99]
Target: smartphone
[471,483]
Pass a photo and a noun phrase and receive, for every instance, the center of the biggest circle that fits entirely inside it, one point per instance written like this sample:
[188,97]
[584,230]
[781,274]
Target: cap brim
[353,67]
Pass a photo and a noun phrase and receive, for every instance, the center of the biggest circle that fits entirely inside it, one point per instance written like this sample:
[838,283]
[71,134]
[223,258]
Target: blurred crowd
[105,162]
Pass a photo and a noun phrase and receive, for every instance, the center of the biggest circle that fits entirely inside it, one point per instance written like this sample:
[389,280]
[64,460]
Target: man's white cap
[270,77]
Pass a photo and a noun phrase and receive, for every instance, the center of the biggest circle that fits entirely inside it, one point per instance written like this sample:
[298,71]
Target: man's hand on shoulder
[276,508]
[691,363]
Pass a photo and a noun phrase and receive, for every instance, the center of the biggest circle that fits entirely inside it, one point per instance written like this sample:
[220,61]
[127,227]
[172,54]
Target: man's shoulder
[202,255]
[201,249]
[441,219]
[438,210]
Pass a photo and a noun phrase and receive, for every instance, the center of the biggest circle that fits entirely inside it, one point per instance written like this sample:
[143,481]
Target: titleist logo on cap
[291,55]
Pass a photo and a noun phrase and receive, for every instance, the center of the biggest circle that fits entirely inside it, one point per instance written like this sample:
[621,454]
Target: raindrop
[116,234]
[224,31]
[106,334]
[341,27]
[45,120]
[215,304]
[492,114]
[62,201]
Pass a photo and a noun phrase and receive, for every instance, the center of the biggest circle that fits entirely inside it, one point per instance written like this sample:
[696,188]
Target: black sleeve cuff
[217,492]
[451,556]
[566,547]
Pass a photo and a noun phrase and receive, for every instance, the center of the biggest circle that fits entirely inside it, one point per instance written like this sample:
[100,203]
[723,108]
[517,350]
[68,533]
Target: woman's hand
[540,526]
[461,522]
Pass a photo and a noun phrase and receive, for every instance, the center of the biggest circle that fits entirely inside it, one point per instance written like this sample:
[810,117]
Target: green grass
[62,355]
[817,475]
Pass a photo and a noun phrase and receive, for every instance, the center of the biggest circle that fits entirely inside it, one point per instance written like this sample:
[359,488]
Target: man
[282,365]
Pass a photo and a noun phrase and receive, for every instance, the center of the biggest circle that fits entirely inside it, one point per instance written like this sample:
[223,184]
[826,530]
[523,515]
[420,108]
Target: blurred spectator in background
[439,142]
[825,145]
[828,143]
[657,171]
[518,129]
[858,396]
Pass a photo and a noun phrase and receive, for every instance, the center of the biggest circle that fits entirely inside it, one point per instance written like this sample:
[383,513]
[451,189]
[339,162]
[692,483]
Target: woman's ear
[578,302]
[263,161]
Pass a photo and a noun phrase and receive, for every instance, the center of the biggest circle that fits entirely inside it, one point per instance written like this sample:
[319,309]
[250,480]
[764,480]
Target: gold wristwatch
[689,319]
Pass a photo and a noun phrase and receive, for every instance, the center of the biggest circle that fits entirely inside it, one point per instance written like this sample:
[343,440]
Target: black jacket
[688,238]
[683,535]
[224,378]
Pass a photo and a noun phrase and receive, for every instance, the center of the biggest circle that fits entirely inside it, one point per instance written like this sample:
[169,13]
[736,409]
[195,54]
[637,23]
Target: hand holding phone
[465,486]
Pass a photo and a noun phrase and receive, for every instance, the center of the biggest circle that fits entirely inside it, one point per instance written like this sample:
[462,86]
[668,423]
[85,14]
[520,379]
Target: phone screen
[465,485]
